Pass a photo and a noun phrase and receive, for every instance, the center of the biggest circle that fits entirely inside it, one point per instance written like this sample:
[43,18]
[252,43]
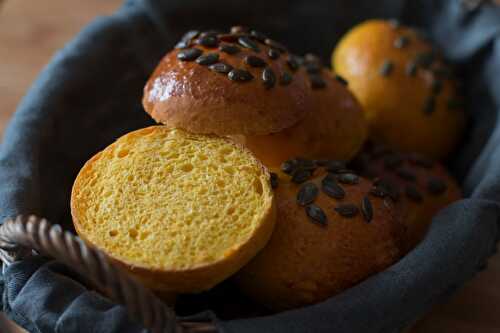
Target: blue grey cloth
[90,94]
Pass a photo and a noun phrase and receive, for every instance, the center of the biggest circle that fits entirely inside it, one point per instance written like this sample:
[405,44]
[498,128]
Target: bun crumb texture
[167,200]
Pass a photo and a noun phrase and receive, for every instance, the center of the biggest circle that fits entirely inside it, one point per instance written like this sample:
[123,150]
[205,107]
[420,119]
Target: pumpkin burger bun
[251,88]
[408,92]
[180,211]
[227,83]
[333,230]
[423,186]
[335,128]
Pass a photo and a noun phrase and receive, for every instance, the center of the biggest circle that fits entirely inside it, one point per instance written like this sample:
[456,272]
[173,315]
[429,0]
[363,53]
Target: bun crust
[181,212]
[306,262]
[407,91]
[335,128]
[201,98]
[422,186]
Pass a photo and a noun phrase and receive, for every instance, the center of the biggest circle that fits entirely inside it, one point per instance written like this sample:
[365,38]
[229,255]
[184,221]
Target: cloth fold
[90,94]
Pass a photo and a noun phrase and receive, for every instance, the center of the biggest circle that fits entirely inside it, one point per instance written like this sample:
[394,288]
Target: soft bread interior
[169,200]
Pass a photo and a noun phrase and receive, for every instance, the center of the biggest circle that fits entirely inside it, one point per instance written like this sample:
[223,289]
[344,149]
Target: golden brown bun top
[335,128]
[228,83]
[407,91]
[331,233]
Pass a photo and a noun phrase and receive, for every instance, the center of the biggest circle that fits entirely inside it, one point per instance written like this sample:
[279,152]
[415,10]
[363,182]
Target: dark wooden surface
[32,30]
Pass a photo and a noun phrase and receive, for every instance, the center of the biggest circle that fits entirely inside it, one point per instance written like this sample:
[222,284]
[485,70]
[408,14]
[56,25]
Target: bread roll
[180,211]
[228,83]
[331,233]
[408,93]
[424,187]
[335,128]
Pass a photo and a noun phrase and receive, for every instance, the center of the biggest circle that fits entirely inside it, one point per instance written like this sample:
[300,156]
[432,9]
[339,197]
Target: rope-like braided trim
[35,233]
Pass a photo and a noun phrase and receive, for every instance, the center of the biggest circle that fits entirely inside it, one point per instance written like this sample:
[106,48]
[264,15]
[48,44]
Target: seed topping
[189,54]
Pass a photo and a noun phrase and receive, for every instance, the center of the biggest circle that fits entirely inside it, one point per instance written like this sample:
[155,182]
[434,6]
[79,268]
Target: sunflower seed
[411,68]
[211,33]
[386,68]
[378,192]
[273,53]
[413,194]
[334,166]
[258,35]
[254,61]
[388,187]
[274,44]
[317,81]
[401,42]
[311,58]
[312,68]
[268,78]
[208,59]
[347,210]
[190,35]
[221,67]
[348,178]
[341,80]
[301,175]
[285,79]
[189,54]
[185,41]
[239,29]
[208,41]
[229,49]
[182,45]
[239,75]
[289,166]
[248,43]
[394,23]
[367,209]
[307,194]
[306,164]
[316,214]
[292,63]
[274,180]
[436,186]
[332,189]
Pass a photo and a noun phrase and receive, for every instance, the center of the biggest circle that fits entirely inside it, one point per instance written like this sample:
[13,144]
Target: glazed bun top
[409,93]
[332,231]
[335,128]
[239,82]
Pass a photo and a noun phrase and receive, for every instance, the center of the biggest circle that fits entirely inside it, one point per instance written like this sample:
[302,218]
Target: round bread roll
[335,128]
[407,91]
[181,212]
[423,186]
[228,83]
[331,233]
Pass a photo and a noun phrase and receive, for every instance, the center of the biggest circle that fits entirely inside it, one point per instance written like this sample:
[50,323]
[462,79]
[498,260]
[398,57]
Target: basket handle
[20,236]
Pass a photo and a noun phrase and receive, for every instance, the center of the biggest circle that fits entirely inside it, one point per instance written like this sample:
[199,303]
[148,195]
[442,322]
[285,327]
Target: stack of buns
[260,168]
